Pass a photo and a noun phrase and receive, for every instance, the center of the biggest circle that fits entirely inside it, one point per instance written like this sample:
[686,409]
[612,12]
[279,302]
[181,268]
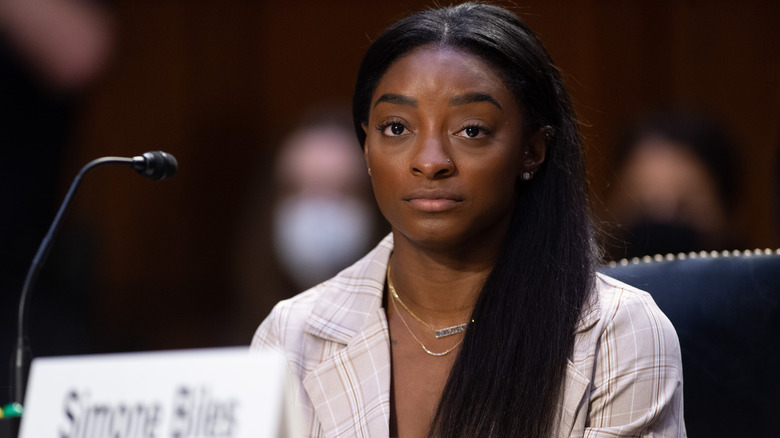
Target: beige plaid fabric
[624,378]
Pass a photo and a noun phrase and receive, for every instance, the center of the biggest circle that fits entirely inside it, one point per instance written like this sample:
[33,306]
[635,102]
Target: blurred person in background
[309,215]
[323,214]
[676,187]
[50,52]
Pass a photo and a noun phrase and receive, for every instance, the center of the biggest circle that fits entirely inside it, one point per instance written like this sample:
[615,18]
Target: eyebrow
[473,98]
[397,99]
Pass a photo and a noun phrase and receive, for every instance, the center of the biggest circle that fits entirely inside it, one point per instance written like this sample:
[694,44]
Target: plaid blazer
[624,377]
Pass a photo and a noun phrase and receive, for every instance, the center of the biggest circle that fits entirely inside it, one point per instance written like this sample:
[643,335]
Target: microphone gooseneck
[155,165]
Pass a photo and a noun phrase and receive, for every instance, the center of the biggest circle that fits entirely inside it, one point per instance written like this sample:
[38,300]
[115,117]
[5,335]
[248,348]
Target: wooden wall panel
[219,83]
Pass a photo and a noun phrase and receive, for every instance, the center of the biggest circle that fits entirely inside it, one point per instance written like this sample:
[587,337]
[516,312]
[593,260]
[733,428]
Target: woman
[475,159]
[676,186]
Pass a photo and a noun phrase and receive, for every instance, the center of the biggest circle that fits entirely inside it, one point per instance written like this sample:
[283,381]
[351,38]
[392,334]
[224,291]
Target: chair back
[726,310]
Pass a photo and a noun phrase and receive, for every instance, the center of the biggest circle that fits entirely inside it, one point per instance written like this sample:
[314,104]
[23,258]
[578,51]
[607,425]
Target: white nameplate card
[226,393]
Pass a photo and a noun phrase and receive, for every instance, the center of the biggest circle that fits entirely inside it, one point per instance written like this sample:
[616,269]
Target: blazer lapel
[350,390]
[577,386]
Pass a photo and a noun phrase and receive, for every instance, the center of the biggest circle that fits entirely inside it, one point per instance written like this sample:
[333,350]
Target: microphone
[156,165]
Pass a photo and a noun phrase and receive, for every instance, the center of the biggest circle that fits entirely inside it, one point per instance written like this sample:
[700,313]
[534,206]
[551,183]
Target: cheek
[385,198]
[497,185]
[502,187]
[500,171]
[382,181]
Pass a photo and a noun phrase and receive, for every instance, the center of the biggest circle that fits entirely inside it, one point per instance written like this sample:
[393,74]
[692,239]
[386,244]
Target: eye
[397,128]
[473,131]
[393,129]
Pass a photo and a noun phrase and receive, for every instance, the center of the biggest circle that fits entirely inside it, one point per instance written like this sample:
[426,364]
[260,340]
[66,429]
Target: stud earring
[528,175]
[548,132]
[369,171]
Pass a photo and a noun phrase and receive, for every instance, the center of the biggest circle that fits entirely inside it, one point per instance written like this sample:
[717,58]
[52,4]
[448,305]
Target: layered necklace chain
[440,333]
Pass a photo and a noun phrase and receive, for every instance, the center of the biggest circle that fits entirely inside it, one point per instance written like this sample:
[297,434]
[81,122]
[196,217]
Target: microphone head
[156,165]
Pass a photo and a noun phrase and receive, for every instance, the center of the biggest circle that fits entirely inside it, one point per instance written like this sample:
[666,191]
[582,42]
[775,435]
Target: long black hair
[508,377]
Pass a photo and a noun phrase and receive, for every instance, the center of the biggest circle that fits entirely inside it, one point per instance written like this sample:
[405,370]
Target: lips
[433,201]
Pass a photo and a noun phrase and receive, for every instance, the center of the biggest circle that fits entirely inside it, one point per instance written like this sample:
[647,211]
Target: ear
[535,149]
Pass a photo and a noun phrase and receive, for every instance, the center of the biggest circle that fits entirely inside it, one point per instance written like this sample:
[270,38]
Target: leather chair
[726,310]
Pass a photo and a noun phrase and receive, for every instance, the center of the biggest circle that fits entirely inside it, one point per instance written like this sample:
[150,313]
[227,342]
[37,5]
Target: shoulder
[287,318]
[333,310]
[622,320]
[625,324]
[628,311]
[631,355]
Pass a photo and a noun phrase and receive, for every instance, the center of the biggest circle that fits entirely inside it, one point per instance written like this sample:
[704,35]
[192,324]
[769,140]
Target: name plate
[226,393]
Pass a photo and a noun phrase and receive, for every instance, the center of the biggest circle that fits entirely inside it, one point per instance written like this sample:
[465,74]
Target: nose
[431,159]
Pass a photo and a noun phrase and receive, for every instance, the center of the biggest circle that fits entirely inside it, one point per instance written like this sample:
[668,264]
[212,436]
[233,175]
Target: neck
[441,287]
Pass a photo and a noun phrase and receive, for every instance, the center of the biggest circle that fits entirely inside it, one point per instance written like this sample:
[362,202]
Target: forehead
[445,69]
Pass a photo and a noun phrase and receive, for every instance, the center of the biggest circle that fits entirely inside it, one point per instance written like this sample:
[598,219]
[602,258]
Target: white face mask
[317,236]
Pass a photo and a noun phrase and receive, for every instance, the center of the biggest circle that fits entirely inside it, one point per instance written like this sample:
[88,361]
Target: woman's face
[444,145]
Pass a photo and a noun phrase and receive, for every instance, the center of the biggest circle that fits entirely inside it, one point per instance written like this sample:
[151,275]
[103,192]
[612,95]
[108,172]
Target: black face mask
[650,237]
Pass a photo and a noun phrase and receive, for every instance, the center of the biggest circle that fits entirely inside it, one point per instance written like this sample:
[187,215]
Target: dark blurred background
[188,262]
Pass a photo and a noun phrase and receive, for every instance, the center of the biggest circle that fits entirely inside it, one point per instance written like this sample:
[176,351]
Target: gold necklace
[440,333]
[432,353]
[395,306]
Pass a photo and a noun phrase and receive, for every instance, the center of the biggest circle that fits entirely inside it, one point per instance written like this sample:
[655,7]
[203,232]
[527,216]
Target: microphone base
[9,427]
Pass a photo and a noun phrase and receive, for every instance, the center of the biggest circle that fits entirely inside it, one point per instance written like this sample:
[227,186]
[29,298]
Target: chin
[434,235]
